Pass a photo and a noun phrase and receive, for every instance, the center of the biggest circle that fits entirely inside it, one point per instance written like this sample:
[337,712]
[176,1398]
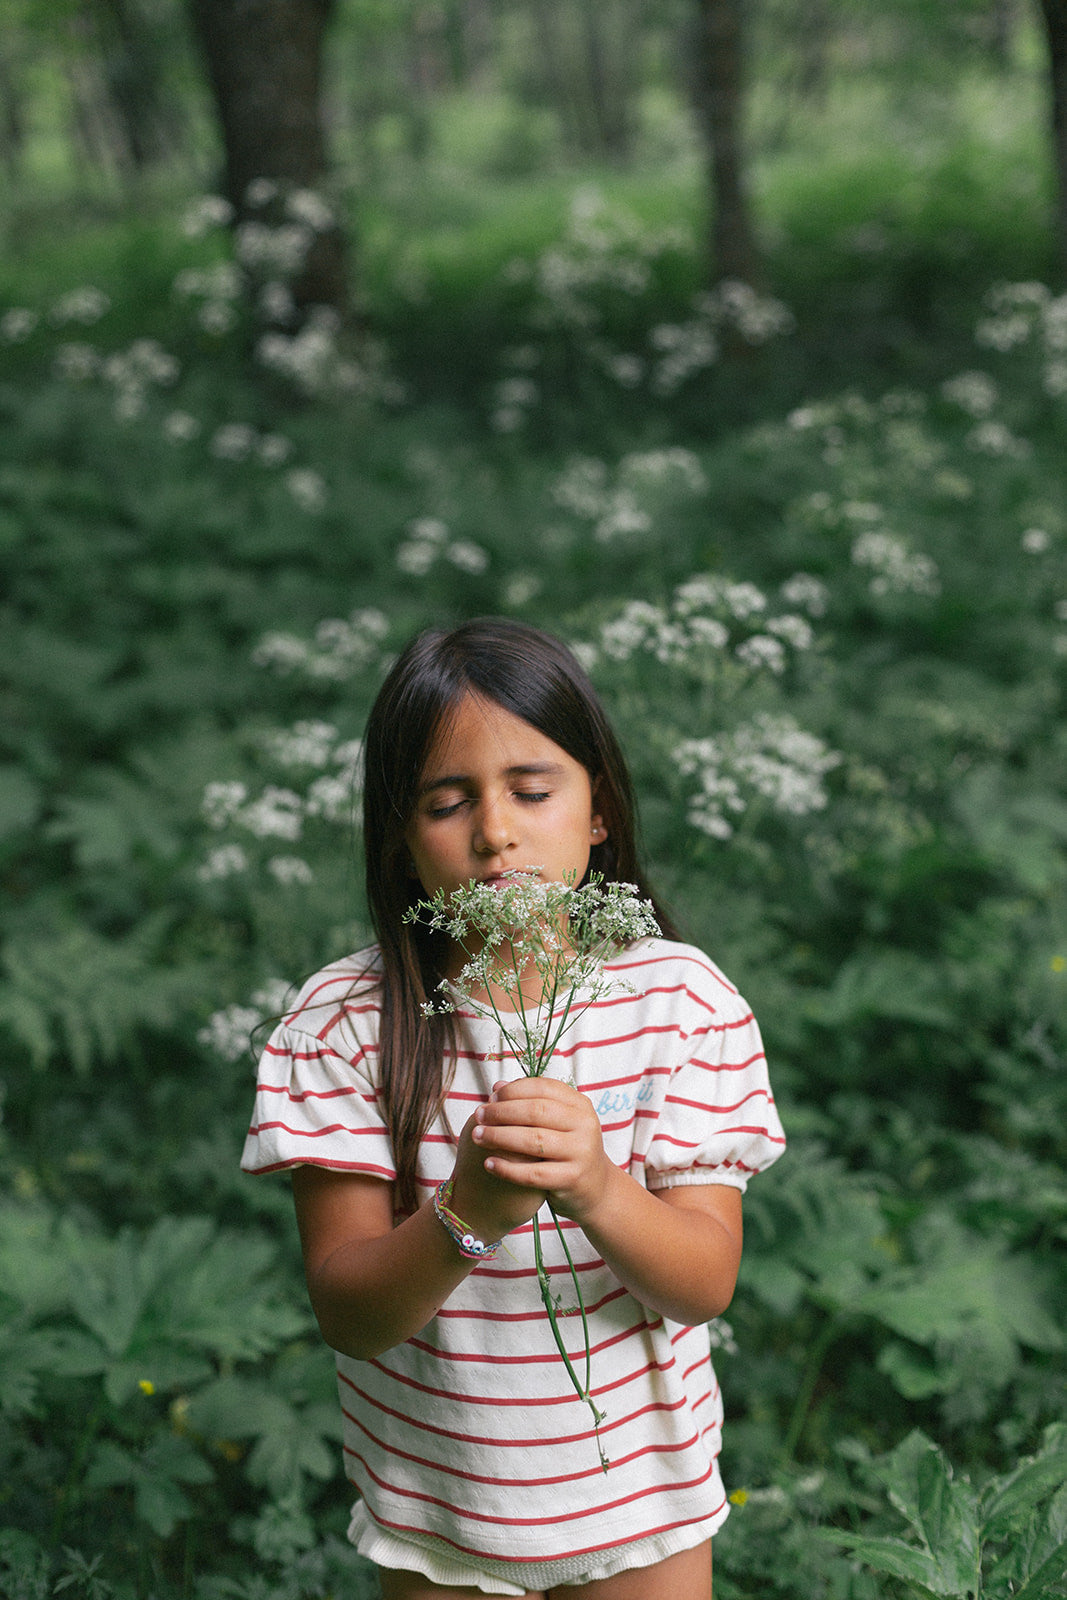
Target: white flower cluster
[974,392]
[1029,314]
[603,249]
[340,648]
[513,399]
[618,505]
[704,619]
[895,567]
[429,541]
[771,756]
[992,438]
[543,944]
[215,291]
[132,373]
[281,811]
[228,1033]
[18,324]
[85,306]
[681,349]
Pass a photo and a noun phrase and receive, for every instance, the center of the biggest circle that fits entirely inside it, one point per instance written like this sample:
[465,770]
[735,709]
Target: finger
[551,1175]
[532,1088]
[535,1143]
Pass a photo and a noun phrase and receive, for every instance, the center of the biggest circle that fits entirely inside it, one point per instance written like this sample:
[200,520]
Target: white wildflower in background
[678,351]
[226,861]
[217,317]
[276,813]
[757,318]
[810,593]
[220,281]
[273,252]
[76,362]
[180,427]
[520,588]
[312,359]
[996,439]
[134,371]
[307,487]
[222,801]
[973,392]
[290,870]
[771,757]
[234,441]
[1035,541]
[761,650]
[429,541]
[260,192]
[467,556]
[17,324]
[706,617]
[85,305]
[305,744]
[207,212]
[308,207]
[273,449]
[228,1033]
[339,648]
[674,467]
[796,631]
[896,568]
[276,303]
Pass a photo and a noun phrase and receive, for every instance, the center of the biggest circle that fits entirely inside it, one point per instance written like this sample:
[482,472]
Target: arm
[372,1285]
[678,1253]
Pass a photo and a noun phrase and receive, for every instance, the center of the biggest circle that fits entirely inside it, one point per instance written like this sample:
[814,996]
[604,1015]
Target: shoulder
[658,968]
[344,996]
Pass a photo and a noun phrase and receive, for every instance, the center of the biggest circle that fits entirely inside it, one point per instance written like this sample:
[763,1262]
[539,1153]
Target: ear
[597,831]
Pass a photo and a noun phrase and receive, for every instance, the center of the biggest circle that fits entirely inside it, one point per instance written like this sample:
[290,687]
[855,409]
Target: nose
[493,828]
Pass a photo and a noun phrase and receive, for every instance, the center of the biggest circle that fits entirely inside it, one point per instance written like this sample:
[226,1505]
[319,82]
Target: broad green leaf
[894,1557]
[949,1512]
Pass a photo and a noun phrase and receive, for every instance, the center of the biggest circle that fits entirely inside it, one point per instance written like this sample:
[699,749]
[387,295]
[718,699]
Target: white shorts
[435,1561]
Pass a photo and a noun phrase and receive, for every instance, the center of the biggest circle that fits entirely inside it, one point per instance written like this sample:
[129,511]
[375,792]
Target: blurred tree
[133,55]
[1054,13]
[720,97]
[264,61]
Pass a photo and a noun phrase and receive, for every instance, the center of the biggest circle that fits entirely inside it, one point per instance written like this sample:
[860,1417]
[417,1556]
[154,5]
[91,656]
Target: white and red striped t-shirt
[470,1432]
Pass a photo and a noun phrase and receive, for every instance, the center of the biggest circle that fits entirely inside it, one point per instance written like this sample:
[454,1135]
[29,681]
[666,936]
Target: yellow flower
[146,1386]
[1059,963]
[739,1497]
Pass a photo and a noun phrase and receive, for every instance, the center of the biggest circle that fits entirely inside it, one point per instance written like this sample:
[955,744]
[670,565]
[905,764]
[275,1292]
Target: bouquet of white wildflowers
[543,946]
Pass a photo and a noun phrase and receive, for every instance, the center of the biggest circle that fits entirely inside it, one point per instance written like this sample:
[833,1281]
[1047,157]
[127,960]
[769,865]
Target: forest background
[728,340]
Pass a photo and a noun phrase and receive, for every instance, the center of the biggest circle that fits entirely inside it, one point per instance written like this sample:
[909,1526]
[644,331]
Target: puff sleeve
[316,1094]
[717,1122]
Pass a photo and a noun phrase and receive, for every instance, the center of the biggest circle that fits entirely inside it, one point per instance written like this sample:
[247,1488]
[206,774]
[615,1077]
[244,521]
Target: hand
[553,1127]
[488,1204]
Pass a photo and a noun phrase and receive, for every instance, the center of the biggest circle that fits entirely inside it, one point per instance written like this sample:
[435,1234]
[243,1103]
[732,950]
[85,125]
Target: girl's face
[495,796]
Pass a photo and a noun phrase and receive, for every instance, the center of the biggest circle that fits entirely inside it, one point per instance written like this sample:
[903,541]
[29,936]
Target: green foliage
[828,621]
[1009,1540]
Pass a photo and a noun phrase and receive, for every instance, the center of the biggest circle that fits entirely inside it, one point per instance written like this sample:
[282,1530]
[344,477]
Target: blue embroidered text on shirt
[615,1102]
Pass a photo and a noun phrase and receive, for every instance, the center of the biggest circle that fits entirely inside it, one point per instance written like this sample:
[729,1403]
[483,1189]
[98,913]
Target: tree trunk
[1054,13]
[720,96]
[264,61]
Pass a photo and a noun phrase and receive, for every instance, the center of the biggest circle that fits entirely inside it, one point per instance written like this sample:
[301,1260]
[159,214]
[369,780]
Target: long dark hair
[535,677]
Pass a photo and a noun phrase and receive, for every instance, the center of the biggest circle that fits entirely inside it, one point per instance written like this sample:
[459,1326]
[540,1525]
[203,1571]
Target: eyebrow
[456,780]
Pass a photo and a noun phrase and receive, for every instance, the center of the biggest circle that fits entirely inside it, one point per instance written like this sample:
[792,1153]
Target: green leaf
[20,800]
[155,1476]
[894,1557]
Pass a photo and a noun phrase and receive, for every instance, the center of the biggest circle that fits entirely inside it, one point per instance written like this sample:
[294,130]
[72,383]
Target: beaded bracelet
[467,1243]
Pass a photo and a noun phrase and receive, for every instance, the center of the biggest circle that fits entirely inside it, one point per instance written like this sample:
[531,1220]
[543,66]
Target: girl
[488,752]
